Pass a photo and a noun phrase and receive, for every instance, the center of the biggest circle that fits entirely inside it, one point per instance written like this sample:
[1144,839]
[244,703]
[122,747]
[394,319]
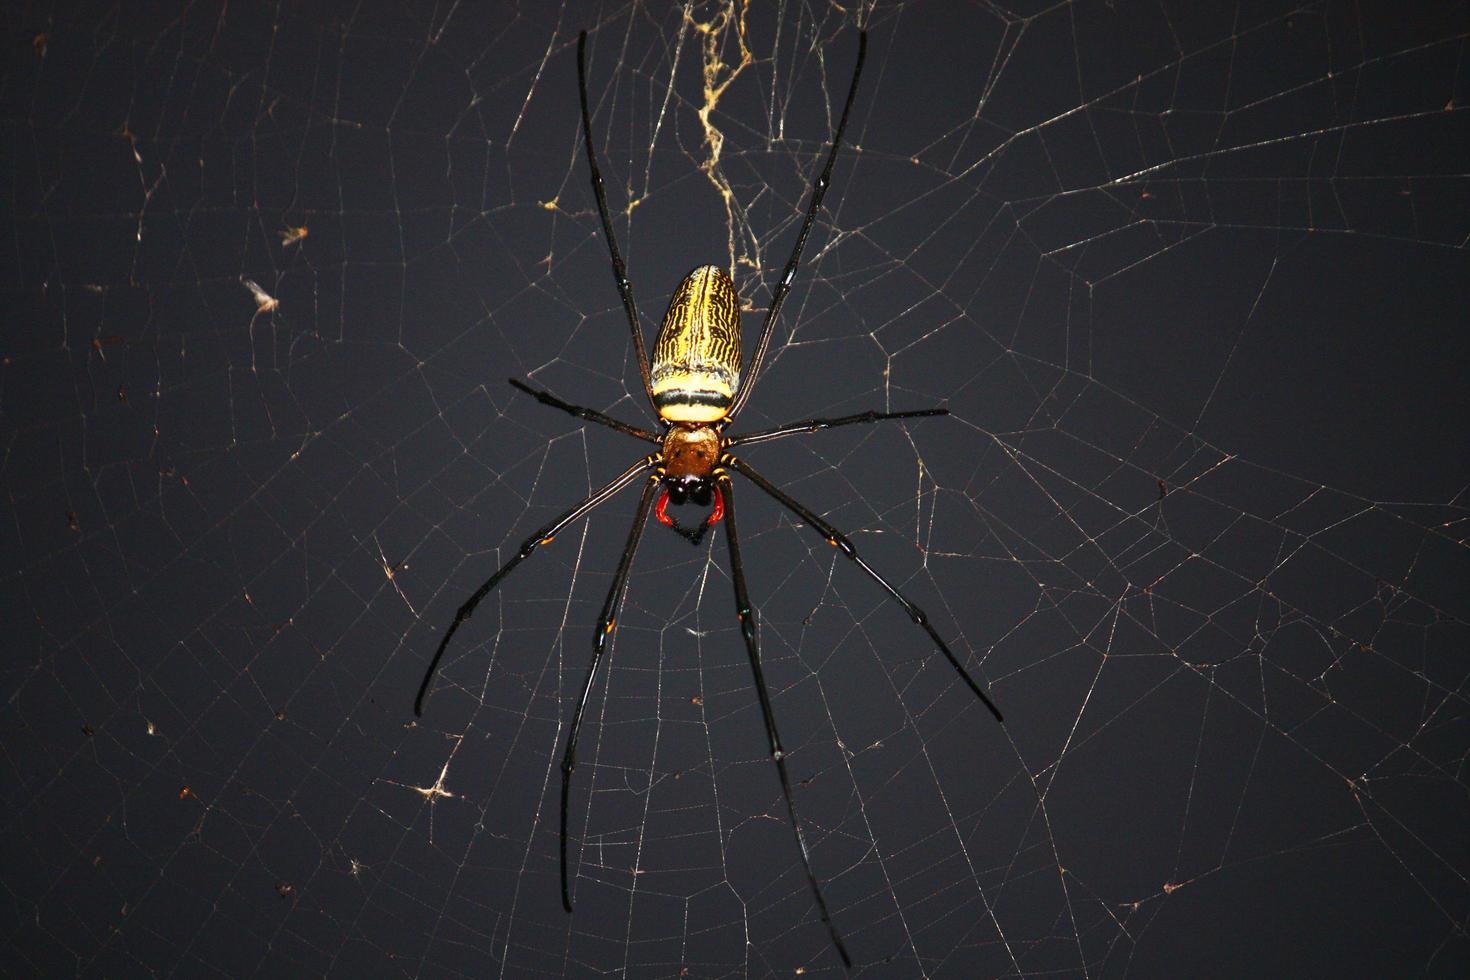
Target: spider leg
[541,537]
[605,626]
[746,613]
[819,188]
[839,541]
[812,425]
[620,271]
[589,414]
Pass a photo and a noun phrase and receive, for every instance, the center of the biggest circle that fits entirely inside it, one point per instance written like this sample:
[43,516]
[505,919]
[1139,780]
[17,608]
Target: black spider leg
[620,271]
[541,537]
[746,613]
[783,286]
[589,414]
[812,425]
[839,541]
[605,626]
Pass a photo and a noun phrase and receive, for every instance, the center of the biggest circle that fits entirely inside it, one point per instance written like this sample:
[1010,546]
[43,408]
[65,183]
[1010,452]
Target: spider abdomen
[696,357]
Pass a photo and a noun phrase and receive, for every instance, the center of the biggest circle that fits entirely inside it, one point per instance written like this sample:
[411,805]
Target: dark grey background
[1191,277]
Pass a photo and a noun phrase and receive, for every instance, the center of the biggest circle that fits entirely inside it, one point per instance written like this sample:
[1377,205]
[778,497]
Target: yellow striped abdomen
[696,358]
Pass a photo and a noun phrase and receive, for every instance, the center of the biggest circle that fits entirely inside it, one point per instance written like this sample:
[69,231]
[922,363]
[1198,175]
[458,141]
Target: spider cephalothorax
[695,385]
[688,470]
[690,452]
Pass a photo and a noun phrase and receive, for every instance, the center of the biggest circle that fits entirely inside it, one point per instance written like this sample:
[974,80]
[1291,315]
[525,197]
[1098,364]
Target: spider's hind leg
[620,270]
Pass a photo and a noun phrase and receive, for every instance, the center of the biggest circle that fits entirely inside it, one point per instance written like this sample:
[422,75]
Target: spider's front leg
[839,541]
[605,626]
[746,613]
[543,536]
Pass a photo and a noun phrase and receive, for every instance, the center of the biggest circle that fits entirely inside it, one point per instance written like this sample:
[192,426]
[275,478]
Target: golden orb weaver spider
[694,386]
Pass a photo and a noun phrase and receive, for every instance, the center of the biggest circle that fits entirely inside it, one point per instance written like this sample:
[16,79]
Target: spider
[694,385]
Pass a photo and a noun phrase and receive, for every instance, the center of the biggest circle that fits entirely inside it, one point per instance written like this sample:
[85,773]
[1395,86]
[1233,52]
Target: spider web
[1192,283]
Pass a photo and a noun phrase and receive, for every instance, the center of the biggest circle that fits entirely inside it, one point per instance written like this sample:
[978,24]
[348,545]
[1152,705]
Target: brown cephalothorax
[691,451]
[695,386]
